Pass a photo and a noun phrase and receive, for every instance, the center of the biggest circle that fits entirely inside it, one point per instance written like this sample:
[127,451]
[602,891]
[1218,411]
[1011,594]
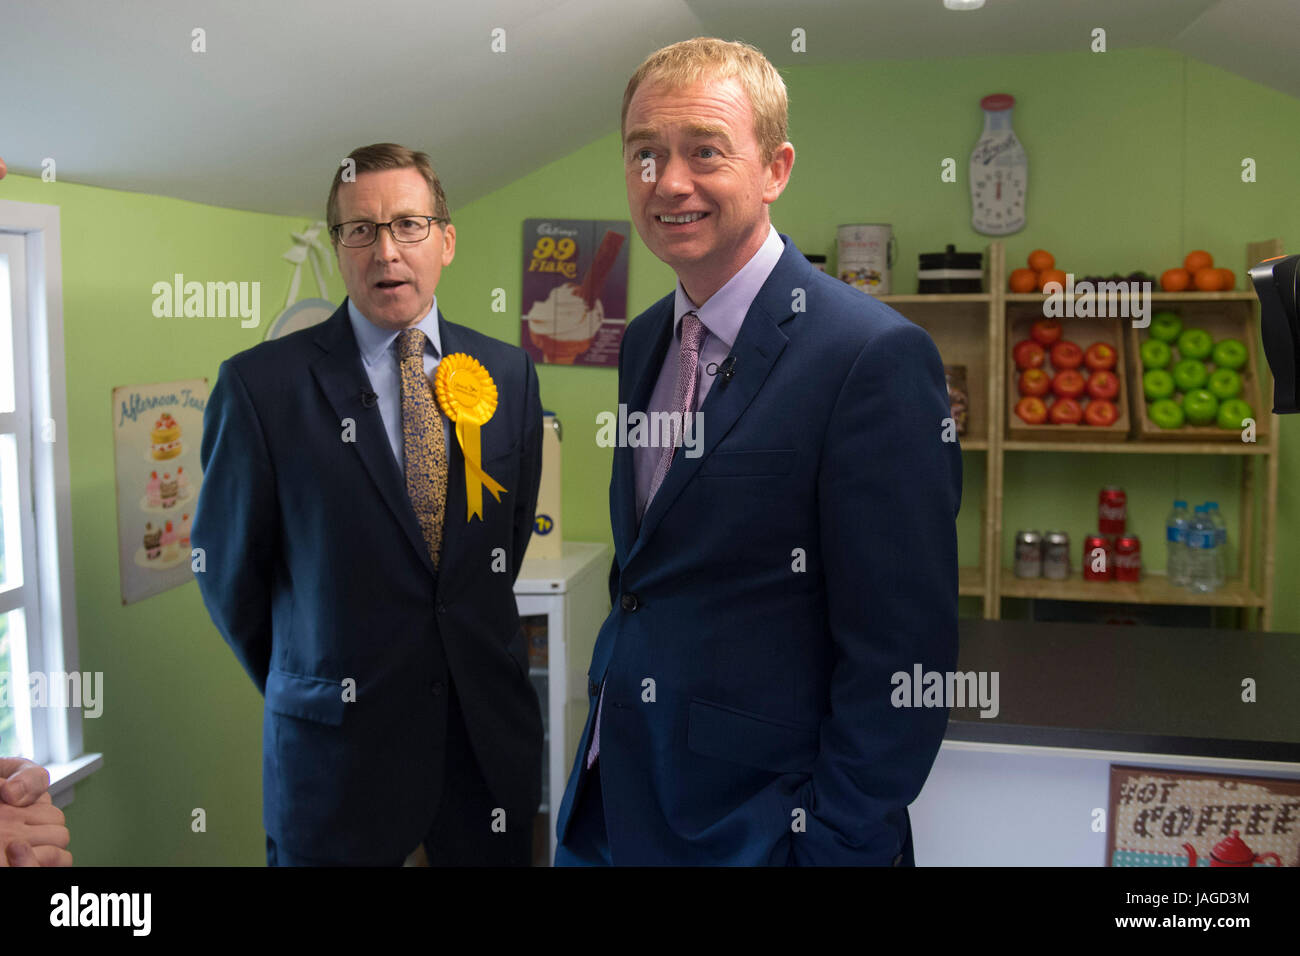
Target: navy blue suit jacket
[317,573]
[776,583]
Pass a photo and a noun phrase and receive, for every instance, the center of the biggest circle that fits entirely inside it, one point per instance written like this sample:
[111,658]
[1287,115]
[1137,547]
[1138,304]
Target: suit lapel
[341,376]
[755,351]
[643,372]
[453,518]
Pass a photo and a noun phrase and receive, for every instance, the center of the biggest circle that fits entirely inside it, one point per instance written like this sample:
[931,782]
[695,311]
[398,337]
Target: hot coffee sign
[1180,818]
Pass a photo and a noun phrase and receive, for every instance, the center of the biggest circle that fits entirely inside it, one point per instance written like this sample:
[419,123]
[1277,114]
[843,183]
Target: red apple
[1046,332]
[1065,411]
[1035,381]
[1031,410]
[1068,383]
[1066,354]
[1103,385]
[1100,355]
[1101,413]
[1029,354]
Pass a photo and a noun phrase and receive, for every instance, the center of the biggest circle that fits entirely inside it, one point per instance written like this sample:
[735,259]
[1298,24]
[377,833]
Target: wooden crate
[1223,319]
[1083,332]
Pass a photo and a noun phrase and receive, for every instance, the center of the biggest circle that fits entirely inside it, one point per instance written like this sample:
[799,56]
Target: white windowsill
[63,776]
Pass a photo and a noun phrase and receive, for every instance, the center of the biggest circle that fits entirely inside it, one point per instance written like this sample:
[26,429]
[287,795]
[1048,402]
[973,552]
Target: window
[37,604]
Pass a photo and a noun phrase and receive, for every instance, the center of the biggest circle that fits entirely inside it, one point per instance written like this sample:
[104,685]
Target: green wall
[1134,159]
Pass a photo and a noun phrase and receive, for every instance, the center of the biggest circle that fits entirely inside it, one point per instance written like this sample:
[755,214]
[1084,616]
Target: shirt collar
[726,309]
[374,341]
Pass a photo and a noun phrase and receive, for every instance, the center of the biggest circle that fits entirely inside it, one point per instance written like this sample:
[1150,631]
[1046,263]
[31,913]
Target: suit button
[442,608]
[437,687]
[630,602]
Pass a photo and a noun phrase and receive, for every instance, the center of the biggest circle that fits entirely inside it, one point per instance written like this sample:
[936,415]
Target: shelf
[974,444]
[938,297]
[1144,447]
[1155,296]
[970,582]
[1152,589]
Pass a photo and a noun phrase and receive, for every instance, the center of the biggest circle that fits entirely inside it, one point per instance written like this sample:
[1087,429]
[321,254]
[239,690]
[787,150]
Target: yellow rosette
[468,397]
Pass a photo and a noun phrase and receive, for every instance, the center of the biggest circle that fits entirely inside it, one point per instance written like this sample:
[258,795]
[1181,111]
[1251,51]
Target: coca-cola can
[1128,558]
[1094,569]
[1056,555]
[1112,508]
[1029,554]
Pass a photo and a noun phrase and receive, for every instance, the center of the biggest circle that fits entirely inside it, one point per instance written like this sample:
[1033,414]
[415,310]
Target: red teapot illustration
[1232,851]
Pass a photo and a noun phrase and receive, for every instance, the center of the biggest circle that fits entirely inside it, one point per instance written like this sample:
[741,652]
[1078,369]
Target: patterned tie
[688,361]
[424,446]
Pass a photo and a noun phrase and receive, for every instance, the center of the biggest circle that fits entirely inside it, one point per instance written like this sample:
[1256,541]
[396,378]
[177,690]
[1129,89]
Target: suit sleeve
[530,466]
[236,524]
[889,491]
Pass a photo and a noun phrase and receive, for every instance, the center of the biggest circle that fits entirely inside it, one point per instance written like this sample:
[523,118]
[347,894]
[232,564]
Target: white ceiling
[112,91]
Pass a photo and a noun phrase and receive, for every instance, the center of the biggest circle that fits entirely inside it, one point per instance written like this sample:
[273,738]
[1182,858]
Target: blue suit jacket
[317,573]
[776,583]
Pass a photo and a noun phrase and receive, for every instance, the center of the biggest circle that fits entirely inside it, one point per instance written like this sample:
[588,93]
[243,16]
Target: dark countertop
[1166,690]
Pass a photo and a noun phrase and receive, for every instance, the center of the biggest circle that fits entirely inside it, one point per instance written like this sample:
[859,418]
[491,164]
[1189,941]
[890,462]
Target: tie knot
[410,344]
[692,332]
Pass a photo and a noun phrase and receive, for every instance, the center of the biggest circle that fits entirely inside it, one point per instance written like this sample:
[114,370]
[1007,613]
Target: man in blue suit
[363,581]
[767,586]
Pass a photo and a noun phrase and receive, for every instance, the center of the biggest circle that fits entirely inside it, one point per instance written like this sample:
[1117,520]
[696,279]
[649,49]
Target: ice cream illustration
[564,323]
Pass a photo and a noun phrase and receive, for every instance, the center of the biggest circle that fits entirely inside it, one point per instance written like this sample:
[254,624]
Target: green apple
[1166,413]
[1230,353]
[1195,344]
[1190,374]
[1225,384]
[1165,326]
[1200,406]
[1157,384]
[1155,353]
[1232,412]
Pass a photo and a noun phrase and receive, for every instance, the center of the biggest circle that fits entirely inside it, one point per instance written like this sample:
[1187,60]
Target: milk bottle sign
[999,171]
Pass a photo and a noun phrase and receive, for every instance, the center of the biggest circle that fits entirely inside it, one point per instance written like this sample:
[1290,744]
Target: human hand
[34,835]
[21,781]
[32,828]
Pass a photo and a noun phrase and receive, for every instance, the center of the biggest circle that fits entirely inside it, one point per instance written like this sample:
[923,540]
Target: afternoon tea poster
[157,430]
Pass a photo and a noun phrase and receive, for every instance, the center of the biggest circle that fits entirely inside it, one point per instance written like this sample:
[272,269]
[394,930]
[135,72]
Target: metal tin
[1029,554]
[1112,509]
[865,255]
[1056,555]
[1128,558]
[1091,543]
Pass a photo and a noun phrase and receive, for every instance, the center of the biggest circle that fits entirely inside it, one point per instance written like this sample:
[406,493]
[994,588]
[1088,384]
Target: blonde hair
[387,156]
[690,61]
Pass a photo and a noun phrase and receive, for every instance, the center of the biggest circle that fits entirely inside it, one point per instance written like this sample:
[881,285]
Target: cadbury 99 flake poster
[575,290]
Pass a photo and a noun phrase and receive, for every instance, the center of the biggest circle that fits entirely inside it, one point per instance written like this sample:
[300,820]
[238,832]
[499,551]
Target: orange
[1198,259]
[1175,280]
[1023,280]
[1051,275]
[1207,279]
[1227,280]
[1041,259]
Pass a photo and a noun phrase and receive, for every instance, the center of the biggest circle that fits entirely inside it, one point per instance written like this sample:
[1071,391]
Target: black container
[950,272]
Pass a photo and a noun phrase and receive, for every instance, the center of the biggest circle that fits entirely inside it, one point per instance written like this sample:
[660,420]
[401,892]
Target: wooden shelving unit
[970,330]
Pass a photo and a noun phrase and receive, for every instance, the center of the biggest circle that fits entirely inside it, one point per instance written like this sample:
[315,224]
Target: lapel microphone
[368,398]
[726,370]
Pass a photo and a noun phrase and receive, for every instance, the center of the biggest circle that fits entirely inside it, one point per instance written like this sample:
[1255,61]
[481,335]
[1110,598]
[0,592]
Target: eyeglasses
[359,232]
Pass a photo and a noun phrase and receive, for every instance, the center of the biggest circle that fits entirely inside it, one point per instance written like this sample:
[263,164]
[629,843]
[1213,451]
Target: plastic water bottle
[1221,541]
[1201,552]
[1176,544]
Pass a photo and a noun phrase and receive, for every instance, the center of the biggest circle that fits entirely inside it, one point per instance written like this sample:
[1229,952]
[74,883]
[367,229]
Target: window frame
[52,644]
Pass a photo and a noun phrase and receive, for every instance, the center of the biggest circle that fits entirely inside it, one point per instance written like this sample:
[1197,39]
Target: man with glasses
[360,550]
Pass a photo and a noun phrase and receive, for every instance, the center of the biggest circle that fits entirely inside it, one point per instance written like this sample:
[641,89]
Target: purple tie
[693,331]
[688,361]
